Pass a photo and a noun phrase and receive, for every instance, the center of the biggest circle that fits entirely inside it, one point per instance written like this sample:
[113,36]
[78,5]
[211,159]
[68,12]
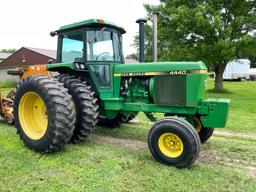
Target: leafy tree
[213,31]
[7,50]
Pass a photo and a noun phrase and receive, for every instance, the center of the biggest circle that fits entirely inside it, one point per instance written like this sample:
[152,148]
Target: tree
[213,31]
[7,50]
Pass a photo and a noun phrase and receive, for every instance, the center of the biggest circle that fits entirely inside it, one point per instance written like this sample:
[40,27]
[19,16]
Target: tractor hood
[152,68]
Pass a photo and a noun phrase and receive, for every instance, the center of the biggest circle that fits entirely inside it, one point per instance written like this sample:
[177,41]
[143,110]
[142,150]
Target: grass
[243,104]
[5,91]
[8,84]
[98,166]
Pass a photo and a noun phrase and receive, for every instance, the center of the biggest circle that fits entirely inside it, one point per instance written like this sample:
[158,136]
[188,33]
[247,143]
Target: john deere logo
[179,72]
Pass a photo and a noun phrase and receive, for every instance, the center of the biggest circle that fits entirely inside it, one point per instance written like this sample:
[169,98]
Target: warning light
[100,20]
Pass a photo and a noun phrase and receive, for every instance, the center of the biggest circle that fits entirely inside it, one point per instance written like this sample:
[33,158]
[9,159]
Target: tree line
[8,50]
[212,31]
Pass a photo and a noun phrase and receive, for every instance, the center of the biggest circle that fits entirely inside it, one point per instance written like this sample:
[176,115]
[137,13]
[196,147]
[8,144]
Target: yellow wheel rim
[170,145]
[197,123]
[33,115]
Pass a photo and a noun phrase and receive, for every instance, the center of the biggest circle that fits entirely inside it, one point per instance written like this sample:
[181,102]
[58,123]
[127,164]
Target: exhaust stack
[155,36]
[141,23]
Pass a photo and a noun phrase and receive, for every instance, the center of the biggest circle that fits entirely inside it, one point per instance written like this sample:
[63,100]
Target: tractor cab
[90,41]
[92,46]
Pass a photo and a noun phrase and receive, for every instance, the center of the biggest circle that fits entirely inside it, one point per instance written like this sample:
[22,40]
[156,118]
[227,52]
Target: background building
[3,56]
[22,57]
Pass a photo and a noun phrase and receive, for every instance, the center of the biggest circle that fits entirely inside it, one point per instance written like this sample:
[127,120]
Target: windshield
[103,46]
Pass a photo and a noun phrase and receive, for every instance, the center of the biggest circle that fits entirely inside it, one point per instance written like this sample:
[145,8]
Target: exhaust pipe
[141,23]
[155,15]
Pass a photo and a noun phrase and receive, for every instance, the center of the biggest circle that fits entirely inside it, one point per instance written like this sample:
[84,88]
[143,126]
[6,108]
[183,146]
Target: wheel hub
[170,145]
[33,115]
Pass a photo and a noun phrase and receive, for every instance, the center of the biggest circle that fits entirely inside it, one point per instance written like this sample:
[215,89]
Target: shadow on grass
[223,91]
[2,121]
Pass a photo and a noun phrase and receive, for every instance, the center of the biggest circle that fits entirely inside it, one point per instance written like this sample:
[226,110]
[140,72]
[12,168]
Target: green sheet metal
[217,112]
[57,66]
[91,22]
[159,67]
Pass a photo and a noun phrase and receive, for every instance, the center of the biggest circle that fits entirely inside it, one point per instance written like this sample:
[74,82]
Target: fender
[60,66]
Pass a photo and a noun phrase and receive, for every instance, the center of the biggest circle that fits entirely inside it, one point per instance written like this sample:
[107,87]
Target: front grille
[170,90]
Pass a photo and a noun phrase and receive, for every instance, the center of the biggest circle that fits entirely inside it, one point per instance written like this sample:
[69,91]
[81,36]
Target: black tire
[85,105]
[187,135]
[204,133]
[128,118]
[60,113]
[112,123]
[117,121]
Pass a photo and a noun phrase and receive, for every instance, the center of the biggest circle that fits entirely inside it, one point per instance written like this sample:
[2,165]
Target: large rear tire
[174,141]
[43,114]
[85,105]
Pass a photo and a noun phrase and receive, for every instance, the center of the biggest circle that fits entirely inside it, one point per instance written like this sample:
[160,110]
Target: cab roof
[92,22]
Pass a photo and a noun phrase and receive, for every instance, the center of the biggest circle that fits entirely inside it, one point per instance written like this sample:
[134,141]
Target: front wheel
[174,141]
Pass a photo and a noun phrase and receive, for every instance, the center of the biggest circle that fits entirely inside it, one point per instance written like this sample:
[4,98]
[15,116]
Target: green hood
[159,67]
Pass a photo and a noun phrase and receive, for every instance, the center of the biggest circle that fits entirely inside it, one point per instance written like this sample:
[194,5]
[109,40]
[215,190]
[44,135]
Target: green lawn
[243,105]
[227,164]
[5,91]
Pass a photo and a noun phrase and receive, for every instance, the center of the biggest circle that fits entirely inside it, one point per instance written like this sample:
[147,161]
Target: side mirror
[53,33]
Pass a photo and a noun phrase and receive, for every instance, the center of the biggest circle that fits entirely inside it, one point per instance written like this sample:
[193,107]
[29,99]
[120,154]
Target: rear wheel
[174,142]
[203,132]
[43,113]
[85,105]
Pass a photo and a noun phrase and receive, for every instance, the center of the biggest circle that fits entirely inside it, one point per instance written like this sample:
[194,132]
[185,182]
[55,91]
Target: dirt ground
[206,156]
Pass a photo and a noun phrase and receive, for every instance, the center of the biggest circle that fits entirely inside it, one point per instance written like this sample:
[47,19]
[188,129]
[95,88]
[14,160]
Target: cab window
[72,46]
[103,46]
[102,74]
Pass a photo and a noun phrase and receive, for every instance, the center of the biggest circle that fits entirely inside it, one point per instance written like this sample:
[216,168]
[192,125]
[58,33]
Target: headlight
[82,66]
[77,65]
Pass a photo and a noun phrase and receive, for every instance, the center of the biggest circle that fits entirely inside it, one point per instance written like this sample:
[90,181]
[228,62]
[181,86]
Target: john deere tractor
[95,86]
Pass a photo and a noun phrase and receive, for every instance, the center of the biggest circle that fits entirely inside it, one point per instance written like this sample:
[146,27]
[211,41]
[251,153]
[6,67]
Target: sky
[27,23]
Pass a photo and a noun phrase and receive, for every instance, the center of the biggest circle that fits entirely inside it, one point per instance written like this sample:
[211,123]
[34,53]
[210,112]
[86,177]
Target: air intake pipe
[141,23]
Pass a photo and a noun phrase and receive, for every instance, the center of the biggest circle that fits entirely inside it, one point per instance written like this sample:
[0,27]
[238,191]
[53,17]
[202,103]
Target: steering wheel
[102,54]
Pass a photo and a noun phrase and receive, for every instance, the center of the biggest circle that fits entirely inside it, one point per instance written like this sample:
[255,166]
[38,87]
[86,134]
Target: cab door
[103,52]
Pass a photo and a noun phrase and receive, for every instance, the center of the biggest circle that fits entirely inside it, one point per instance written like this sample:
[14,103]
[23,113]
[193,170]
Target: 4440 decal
[177,72]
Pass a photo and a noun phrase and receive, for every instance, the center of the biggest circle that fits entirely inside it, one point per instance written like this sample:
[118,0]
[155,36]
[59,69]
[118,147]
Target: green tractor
[94,86]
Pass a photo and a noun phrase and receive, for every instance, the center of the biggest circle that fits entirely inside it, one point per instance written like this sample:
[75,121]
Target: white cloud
[29,22]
